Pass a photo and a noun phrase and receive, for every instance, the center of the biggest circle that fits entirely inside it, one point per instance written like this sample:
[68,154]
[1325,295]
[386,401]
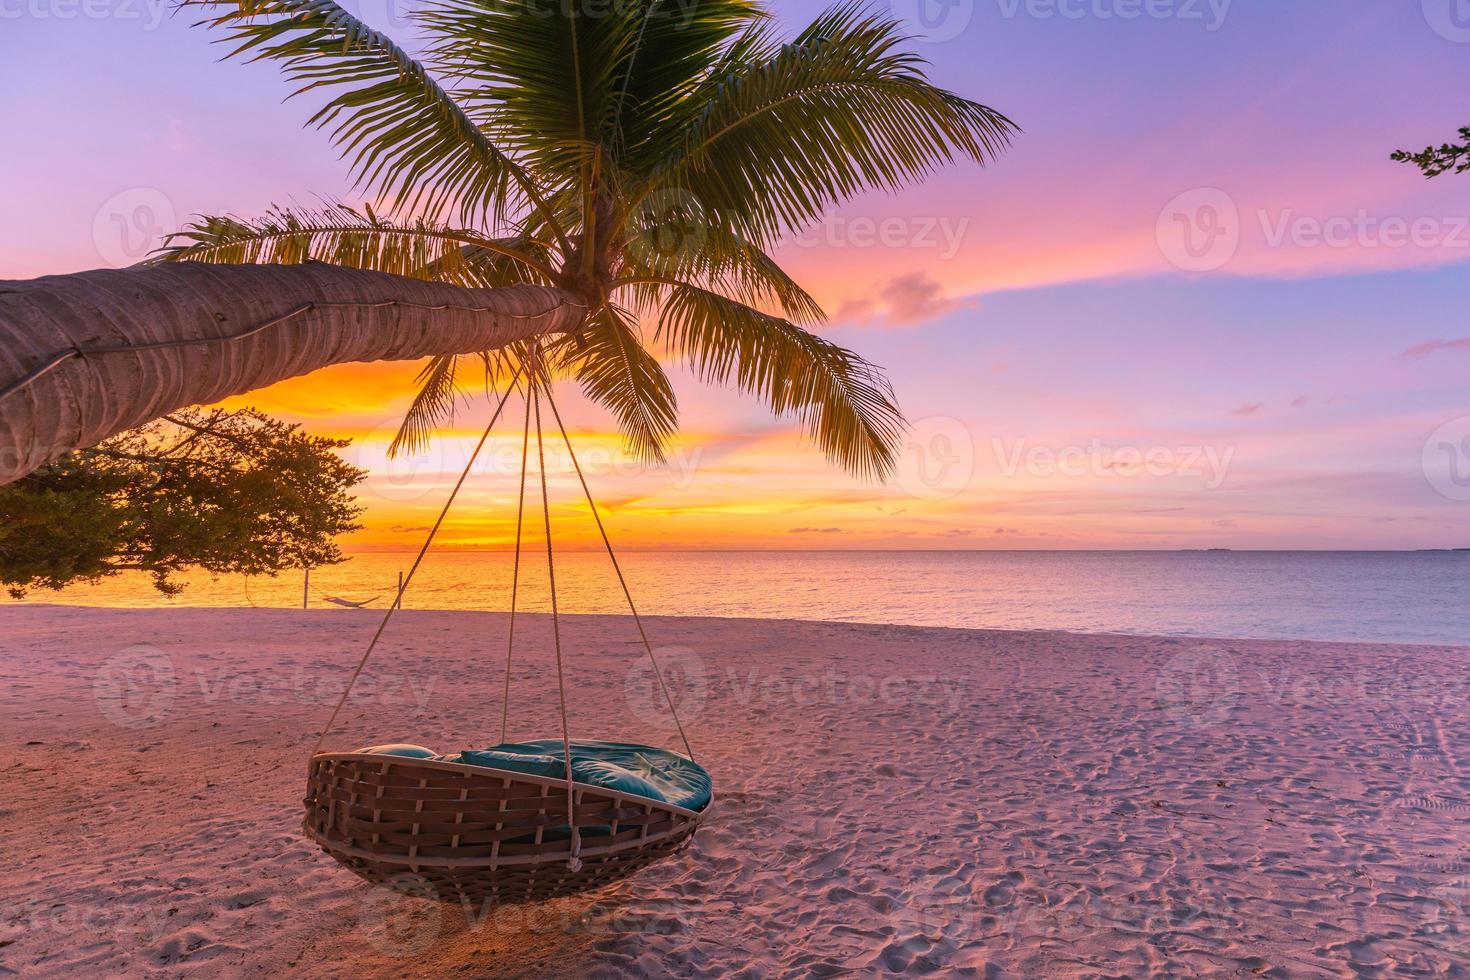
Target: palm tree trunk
[88,355]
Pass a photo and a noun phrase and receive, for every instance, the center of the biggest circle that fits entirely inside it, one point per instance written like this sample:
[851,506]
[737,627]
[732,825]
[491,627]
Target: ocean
[1393,597]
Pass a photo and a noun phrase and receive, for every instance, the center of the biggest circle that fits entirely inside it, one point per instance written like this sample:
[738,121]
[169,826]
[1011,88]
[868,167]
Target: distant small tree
[222,491]
[1434,161]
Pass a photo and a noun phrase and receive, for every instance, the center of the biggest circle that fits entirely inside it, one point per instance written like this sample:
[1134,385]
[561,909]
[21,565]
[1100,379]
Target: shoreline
[650,617]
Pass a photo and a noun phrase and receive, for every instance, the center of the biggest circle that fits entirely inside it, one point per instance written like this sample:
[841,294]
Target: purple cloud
[904,301]
[1435,346]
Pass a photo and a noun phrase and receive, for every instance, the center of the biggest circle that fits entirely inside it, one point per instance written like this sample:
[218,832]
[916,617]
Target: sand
[890,800]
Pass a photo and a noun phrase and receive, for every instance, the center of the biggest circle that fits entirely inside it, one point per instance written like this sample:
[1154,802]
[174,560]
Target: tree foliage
[645,155]
[1436,160]
[217,490]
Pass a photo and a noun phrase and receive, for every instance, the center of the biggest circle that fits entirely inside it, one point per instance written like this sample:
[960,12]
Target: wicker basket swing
[469,833]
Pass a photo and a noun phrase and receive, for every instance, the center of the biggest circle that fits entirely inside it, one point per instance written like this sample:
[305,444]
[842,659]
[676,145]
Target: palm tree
[596,180]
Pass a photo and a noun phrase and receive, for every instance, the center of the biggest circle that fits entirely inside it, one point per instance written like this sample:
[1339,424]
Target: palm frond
[404,135]
[617,372]
[555,79]
[841,109]
[342,235]
[433,404]
[551,142]
[717,259]
[537,72]
[841,400]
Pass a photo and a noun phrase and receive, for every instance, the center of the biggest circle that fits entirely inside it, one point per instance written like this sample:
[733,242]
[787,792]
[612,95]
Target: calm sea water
[1412,597]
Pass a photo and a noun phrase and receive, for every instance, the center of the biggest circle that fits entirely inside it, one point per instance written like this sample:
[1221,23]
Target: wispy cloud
[1437,346]
[905,301]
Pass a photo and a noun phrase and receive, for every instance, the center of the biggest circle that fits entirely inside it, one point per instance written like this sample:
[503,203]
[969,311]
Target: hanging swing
[518,822]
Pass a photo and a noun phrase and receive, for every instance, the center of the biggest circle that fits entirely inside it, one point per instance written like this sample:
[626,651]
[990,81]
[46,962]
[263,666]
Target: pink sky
[1195,306]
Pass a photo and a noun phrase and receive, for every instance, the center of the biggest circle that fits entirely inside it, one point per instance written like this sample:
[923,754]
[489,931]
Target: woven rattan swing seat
[476,834]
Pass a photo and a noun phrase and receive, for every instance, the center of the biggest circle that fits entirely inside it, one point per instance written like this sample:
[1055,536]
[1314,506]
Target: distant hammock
[350,604]
[334,600]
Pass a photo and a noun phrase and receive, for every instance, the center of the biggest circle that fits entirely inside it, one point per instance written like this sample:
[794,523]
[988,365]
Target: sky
[1195,305]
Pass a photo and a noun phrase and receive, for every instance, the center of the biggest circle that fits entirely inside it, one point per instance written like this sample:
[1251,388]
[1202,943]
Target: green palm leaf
[341,235]
[405,136]
[644,156]
[721,261]
[432,405]
[841,109]
[615,371]
[840,399]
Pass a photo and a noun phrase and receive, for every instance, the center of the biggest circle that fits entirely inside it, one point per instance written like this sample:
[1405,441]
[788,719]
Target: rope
[60,357]
[575,864]
[621,580]
[534,385]
[393,607]
[515,578]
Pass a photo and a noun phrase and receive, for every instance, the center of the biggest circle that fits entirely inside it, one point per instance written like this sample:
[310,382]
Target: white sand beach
[889,800]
